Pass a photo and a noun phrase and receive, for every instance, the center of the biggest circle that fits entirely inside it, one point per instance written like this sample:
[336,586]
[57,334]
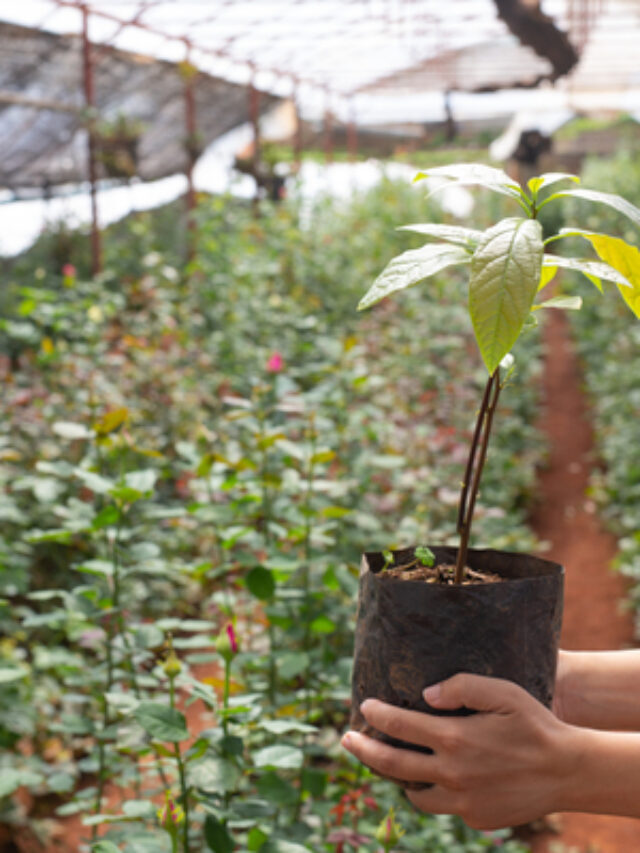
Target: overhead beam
[538,31]
[18,100]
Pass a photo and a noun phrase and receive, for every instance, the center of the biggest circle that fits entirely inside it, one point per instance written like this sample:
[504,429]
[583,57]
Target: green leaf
[475,174]
[104,847]
[280,756]
[8,674]
[323,625]
[142,481]
[615,201]
[107,516]
[549,178]
[260,583]
[277,845]
[622,257]
[568,303]
[280,727]
[10,780]
[591,269]
[256,839]
[450,233]
[547,273]
[99,485]
[314,781]
[217,836]
[291,664]
[412,267]
[214,775]
[66,429]
[162,722]
[277,790]
[505,273]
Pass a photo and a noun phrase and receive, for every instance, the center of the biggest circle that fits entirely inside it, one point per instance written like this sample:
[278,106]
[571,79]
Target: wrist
[601,772]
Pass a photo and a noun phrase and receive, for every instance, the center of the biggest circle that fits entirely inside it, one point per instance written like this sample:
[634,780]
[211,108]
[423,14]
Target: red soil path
[594,615]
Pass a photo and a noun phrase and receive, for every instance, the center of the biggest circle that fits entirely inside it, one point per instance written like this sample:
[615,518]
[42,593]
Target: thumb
[476,692]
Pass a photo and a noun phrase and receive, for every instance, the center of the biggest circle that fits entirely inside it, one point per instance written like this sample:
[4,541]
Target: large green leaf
[623,258]
[615,201]
[217,835]
[280,756]
[505,274]
[475,174]
[451,233]
[162,722]
[214,774]
[412,267]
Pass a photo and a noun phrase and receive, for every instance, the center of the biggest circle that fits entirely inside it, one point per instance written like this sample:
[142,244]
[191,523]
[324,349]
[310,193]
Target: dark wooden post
[189,74]
[254,118]
[297,135]
[89,95]
[352,133]
[328,132]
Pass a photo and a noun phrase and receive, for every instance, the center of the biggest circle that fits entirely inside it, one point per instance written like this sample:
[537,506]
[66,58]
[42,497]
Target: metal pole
[328,133]
[191,142]
[352,133]
[89,95]
[297,136]
[254,118]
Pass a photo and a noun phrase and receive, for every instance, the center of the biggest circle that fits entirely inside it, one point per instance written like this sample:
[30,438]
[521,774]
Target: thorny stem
[475,466]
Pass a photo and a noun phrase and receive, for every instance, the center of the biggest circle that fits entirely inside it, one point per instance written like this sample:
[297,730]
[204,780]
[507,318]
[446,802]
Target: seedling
[425,556]
[509,267]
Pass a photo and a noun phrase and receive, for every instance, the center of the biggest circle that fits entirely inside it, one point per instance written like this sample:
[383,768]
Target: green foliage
[183,450]
[613,382]
[506,260]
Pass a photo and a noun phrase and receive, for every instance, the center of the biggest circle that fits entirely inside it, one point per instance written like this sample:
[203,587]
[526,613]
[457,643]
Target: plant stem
[475,466]
[183,782]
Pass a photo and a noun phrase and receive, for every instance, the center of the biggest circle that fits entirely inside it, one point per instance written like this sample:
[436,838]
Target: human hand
[510,763]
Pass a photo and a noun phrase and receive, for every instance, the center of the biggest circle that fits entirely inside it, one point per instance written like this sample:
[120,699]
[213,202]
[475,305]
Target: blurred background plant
[189,449]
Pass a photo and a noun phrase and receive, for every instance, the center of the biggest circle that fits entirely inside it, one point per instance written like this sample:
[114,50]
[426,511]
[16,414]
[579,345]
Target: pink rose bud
[68,271]
[275,363]
[227,643]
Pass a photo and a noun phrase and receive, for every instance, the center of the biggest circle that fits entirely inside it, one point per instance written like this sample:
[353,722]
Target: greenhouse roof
[335,46]
[43,116]
[334,55]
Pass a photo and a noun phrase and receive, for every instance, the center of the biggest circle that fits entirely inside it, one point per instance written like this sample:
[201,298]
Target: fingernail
[364,706]
[347,740]
[432,694]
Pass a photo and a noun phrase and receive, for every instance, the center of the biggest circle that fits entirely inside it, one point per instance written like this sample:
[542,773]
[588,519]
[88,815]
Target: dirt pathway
[594,617]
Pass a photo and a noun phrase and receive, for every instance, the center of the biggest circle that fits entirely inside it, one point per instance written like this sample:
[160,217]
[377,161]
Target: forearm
[600,690]
[606,776]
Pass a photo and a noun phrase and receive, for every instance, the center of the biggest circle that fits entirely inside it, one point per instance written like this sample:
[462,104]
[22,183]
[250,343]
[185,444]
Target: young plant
[508,268]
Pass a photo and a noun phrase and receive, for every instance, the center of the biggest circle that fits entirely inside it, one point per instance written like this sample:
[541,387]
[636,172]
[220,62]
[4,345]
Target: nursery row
[193,462]
[613,384]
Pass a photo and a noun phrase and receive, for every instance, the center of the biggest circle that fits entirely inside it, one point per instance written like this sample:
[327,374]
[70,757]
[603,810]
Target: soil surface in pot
[441,574]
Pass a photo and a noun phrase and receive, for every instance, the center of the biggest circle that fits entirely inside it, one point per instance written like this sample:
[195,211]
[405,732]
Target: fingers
[389,761]
[477,692]
[399,723]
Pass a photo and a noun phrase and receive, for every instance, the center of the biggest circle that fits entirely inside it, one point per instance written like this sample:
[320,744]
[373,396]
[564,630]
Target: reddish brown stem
[475,466]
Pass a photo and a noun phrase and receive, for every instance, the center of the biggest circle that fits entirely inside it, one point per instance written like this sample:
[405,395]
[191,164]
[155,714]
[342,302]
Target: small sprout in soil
[388,560]
[424,555]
